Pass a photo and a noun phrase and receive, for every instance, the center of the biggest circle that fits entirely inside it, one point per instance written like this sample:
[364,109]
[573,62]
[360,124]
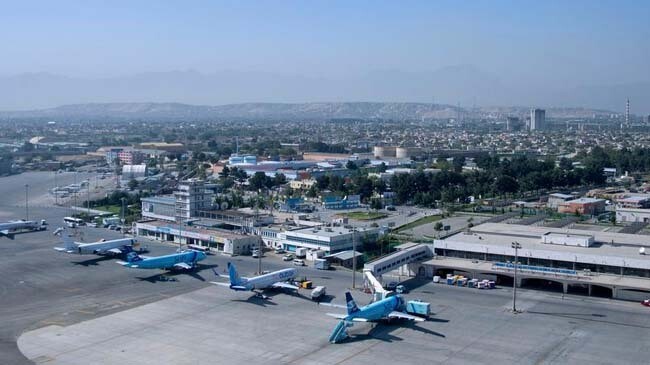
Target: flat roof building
[219,240]
[583,206]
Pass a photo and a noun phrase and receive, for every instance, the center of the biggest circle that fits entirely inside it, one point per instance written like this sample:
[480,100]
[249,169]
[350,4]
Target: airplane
[111,247]
[381,310]
[273,280]
[184,260]
[9,229]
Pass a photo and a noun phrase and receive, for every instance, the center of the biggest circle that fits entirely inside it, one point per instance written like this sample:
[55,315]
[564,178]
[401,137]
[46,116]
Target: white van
[299,262]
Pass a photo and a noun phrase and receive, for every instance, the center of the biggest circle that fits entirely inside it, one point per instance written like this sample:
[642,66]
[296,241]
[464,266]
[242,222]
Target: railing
[540,270]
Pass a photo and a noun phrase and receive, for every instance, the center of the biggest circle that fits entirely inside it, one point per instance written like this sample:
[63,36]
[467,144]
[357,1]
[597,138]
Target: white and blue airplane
[118,246]
[185,260]
[9,229]
[273,280]
[381,310]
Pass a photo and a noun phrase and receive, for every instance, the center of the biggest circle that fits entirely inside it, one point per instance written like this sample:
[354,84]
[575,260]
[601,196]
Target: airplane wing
[344,316]
[283,285]
[63,249]
[402,315]
[220,283]
[333,305]
[337,315]
[182,265]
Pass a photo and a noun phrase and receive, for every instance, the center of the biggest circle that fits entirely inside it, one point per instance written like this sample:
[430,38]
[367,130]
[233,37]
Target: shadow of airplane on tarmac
[172,274]
[94,261]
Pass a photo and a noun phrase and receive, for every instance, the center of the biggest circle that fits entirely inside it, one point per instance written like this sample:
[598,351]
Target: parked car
[401,289]
[92,224]
[112,227]
[392,285]
[646,302]
[279,251]
[287,257]
[299,262]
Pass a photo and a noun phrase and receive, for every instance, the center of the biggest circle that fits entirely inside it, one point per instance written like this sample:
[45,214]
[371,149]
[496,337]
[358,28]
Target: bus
[73,222]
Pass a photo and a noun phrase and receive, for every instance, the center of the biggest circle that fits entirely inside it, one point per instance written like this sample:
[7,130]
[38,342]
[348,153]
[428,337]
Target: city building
[513,124]
[134,171]
[163,146]
[590,262]
[219,240]
[159,207]
[555,199]
[583,206]
[336,202]
[130,157]
[328,239]
[189,198]
[598,263]
[537,119]
[238,160]
[192,197]
[302,184]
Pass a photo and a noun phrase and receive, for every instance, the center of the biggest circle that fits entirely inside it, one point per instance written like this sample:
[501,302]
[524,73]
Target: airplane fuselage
[378,310]
[266,280]
[99,248]
[167,261]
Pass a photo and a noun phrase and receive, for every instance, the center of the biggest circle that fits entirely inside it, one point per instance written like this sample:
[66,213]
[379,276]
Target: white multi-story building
[190,198]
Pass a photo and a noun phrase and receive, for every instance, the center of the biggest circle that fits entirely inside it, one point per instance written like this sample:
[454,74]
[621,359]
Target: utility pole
[26,202]
[123,214]
[516,246]
[354,257]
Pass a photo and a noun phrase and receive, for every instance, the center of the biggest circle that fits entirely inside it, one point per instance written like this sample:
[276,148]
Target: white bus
[73,222]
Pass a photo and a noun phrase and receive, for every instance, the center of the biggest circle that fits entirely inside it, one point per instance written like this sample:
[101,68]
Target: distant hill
[466,85]
[278,111]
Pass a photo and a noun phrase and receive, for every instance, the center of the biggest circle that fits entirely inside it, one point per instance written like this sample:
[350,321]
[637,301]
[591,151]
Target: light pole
[516,246]
[26,202]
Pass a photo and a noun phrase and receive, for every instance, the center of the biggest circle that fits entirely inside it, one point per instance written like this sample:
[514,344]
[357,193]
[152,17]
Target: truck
[418,308]
[301,252]
[318,293]
[321,264]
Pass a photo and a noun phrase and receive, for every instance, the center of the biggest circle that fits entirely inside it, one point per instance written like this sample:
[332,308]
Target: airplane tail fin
[133,257]
[68,243]
[232,273]
[350,303]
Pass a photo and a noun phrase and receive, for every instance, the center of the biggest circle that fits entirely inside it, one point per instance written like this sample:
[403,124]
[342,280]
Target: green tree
[438,226]
[133,183]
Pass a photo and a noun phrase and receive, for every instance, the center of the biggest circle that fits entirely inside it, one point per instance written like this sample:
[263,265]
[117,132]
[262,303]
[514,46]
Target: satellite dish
[216,206]
[642,251]
[224,205]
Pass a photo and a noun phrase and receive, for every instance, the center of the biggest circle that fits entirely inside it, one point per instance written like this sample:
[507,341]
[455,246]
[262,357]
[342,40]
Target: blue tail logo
[133,257]
[234,276]
[350,303]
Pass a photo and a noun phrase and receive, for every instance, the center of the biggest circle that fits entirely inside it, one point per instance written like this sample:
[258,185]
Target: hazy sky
[567,42]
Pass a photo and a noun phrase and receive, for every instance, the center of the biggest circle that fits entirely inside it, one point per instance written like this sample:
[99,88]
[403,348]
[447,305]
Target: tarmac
[67,309]
[214,325]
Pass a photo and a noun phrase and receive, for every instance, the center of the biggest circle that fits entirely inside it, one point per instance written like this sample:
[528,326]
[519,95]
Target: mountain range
[466,85]
[278,111]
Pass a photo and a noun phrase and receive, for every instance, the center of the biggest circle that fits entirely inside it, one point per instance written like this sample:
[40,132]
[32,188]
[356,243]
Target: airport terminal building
[585,262]
[217,240]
